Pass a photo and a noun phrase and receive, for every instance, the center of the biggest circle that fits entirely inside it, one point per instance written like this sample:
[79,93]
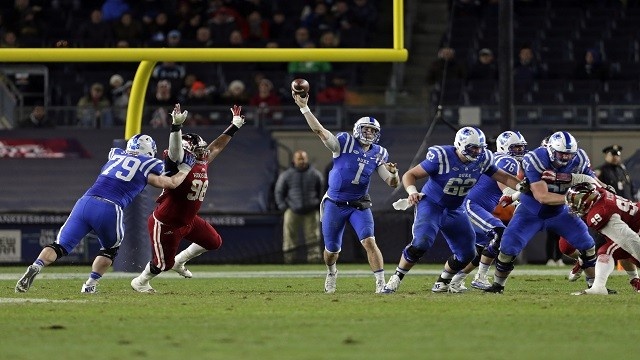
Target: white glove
[238,119]
[178,117]
[402,204]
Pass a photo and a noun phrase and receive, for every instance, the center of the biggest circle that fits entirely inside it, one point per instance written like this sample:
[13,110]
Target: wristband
[175,127]
[231,130]
[411,189]
[305,110]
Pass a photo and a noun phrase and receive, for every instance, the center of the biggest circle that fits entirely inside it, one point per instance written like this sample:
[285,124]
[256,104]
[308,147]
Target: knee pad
[504,262]
[455,264]
[588,257]
[109,253]
[60,251]
[412,254]
[476,260]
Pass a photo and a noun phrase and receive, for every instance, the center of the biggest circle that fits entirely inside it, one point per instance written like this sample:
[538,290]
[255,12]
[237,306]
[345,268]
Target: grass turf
[236,313]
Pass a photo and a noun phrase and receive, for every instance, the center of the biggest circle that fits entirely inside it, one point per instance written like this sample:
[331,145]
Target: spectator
[37,119]
[222,24]
[203,38]
[128,29]
[485,68]
[525,70]
[9,40]
[174,39]
[112,10]
[158,29]
[280,29]
[162,101]
[236,94]
[319,20]
[301,37]
[446,61]
[171,71]
[115,84]
[258,34]
[305,67]
[615,174]
[334,94]
[591,67]
[298,192]
[94,109]
[94,32]
[266,100]
[121,103]
[198,96]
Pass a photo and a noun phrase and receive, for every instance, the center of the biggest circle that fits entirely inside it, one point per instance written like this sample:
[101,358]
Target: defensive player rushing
[452,171]
[355,158]
[544,206]
[100,209]
[176,216]
[479,205]
[614,217]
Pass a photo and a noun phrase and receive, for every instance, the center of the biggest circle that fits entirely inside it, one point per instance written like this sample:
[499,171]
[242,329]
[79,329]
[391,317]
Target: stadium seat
[578,97]
[559,69]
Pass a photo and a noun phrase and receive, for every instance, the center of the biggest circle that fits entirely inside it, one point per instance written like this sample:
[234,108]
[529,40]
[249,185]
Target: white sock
[332,268]
[459,277]
[483,269]
[189,253]
[146,274]
[632,274]
[604,268]
[379,276]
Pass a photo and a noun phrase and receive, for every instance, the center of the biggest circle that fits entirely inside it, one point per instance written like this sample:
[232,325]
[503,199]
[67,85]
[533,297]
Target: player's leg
[570,251]
[426,224]
[203,237]
[362,222]
[161,237]
[334,220]
[521,229]
[577,234]
[460,236]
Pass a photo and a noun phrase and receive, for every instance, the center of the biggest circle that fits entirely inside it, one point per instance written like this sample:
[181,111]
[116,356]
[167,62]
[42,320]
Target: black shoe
[495,288]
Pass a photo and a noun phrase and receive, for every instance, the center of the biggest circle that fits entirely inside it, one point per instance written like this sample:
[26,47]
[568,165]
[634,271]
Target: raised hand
[238,118]
[178,117]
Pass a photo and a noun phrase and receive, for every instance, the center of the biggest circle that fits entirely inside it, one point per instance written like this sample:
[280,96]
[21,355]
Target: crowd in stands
[576,52]
[189,24]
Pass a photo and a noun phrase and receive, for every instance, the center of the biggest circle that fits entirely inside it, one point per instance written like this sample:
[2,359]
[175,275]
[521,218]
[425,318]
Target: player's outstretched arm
[329,140]
[172,182]
[217,145]
[175,138]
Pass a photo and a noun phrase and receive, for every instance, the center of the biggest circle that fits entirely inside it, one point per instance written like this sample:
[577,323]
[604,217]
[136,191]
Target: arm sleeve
[620,233]
[175,146]
[580,178]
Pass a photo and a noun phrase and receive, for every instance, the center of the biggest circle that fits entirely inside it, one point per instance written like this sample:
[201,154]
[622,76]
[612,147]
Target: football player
[356,157]
[176,215]
[617,219]
[100,209]
[545,168]
[480,203]
[452,172]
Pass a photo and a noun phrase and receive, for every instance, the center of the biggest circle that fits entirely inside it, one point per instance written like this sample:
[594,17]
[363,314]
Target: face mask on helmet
[196,145]
[512,143]
[580,198]
[562,148]
[142,145]
[470,142]
[367,130]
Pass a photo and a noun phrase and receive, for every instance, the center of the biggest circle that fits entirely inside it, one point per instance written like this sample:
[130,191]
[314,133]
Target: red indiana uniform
[176,218]
[598,218]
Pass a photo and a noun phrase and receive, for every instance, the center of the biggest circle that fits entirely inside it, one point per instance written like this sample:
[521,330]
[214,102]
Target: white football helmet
[470,142]
[141,144]
[367,122]
[562,148]
[512,143]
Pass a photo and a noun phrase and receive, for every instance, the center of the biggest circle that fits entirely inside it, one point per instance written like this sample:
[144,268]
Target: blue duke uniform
[484,198]
[348,181]
[441,209]
[531,216]
[121,179]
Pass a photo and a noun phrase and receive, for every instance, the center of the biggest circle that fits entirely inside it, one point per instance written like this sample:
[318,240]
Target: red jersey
[179,206]
[610,204]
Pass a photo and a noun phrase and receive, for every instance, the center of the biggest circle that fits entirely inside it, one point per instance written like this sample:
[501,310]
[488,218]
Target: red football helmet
[581,197]
[196,145]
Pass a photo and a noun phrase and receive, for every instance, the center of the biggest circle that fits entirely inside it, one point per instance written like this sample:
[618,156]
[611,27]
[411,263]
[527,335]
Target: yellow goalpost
[148,57]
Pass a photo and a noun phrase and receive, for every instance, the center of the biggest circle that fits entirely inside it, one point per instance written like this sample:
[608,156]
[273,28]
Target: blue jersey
[124,176]
[352,169]
[535,162]
[450,180]
[487,193]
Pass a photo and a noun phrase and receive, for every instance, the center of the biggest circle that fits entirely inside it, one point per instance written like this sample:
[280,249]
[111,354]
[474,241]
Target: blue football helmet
[512,143]
[562,148]
[141,144]
[470,142]
[368,137]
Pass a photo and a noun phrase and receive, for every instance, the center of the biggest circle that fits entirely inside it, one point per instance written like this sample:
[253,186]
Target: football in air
[300,87]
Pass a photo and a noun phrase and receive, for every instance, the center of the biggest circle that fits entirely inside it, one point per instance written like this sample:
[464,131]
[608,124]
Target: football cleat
[440,287]
[635,284]
[89,289]
[142,286]
[380,286]
[26,280]
[457,287]
[576,271]
[495,288]
[480,282]
[599,290]
[330,282]
[182,270]
[392,285]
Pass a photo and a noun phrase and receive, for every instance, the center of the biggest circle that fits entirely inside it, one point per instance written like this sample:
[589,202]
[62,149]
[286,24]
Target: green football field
[281,312]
